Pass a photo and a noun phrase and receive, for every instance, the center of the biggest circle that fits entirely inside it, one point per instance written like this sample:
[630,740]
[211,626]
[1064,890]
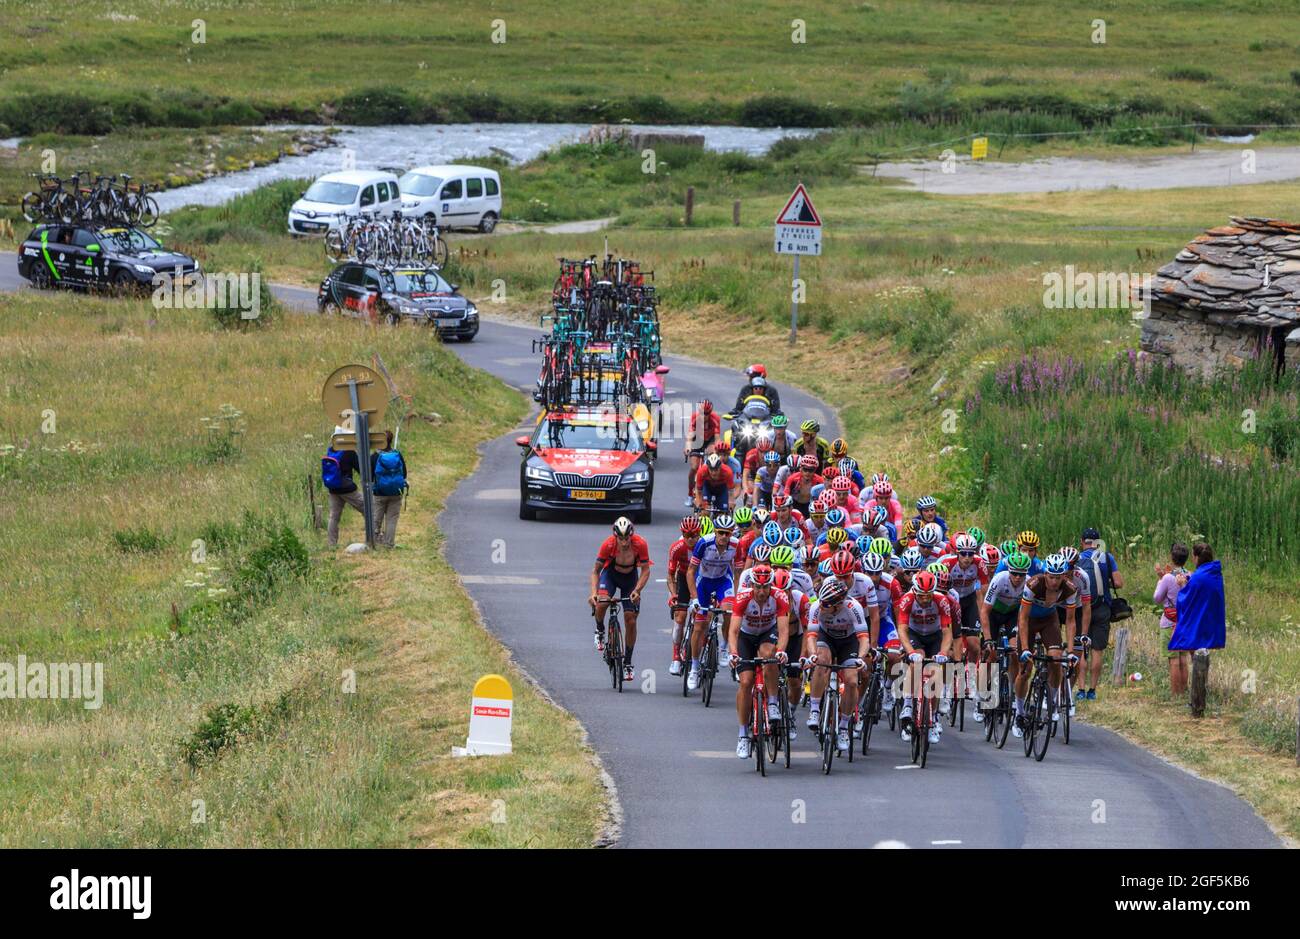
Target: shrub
[1187,73]
[137,541]
[383,105]
[281,557]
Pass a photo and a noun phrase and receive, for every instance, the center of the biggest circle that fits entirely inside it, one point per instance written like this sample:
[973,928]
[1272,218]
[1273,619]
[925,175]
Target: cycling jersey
[863,590]
[924,618]
[1035,566]
[820,449]
[703,435]
[743,544]
[938,520]
[800,607]
[1002,595]
[885,598]
[892,506]
[1081,584]
[884,530]
[759,619]
[1036,597]
[713,562]
[794,518]
[609,551]
[966,580]
[847,620]
[765,479]
[679,558]
[726,479]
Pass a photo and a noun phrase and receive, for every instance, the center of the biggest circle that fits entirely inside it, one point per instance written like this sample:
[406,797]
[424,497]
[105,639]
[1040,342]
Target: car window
[130,239]
[588,435]
[473,188]
[84,237]
[372,280]
[394,191]
[412,281]
[351,275]
[332,193]
[491,186]
[382,191]
[451,190]
[414,184]
[368,196]
[53,234]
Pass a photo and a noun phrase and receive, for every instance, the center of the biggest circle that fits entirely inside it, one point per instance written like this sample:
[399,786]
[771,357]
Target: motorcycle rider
[758,385]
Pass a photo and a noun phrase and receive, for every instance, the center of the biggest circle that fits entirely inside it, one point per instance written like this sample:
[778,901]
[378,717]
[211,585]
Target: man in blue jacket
[337,468]
[1202,606]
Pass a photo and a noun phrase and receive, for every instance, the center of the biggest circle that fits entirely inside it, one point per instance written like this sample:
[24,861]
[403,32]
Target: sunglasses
[966,554]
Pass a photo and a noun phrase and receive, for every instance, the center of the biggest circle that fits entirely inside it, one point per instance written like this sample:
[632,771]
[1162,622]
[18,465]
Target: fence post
[1120,656]
[316,519]
[690,203]
[1200,679]
[735,212]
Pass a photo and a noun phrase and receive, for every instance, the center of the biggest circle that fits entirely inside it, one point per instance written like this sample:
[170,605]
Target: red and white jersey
[679,558]
[759,619]
[1081,584]
[863,590]
[796,519]
[924,618]
[800,610]
[848,620]
[966,580]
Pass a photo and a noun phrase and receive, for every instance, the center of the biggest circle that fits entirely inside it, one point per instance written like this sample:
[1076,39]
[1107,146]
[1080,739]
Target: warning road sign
[798,226]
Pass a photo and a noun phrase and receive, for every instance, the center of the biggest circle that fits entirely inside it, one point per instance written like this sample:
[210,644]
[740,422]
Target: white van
[337,195]
[455,196]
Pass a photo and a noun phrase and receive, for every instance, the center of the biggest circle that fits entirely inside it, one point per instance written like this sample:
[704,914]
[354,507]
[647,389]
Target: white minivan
[455,196]
[337,195]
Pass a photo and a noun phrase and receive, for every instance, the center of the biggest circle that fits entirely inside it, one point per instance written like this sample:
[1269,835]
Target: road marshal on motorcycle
[798,232]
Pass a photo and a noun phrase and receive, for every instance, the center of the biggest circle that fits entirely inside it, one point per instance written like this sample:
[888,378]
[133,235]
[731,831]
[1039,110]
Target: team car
[586,458]
[125,259]
[392,294]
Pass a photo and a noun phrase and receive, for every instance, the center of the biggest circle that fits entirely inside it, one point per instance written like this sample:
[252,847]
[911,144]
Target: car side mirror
[522,441]
[455,287]
[662,370]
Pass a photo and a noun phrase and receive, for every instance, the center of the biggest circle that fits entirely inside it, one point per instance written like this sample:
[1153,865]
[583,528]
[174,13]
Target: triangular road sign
[799,210]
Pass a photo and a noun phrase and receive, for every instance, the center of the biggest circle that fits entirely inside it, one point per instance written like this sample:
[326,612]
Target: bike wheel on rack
[33,207]
[148,211]
[441,253]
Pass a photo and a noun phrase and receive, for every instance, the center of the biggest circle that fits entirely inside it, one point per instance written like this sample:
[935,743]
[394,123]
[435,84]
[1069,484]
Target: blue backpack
[389,478]
[331,470]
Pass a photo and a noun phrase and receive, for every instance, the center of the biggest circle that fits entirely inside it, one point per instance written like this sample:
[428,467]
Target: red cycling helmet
[760,575]
[842,563]
[764,445]
[721,447]
[781,579]
[780,500]
[924,583]
[706,406]
[882,489]
[842,484]
[691,525]
[808,462]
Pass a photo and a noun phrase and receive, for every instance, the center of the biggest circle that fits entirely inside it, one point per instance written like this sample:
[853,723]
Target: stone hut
[1231,293]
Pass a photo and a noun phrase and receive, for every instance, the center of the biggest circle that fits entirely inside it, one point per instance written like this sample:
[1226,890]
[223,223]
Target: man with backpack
[336,469]
[388,469]
[1099,566]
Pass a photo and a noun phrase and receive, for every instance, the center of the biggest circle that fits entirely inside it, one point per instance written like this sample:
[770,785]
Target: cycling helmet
[1027,539]
[781,579]
[761,516]
[842,564]
[793,535]
[882,489]
[882,547]
[760,575]
[744,515]
[781,500]
[808,462]
[924,583]
[623,526]
[824,568]
[810,426]
[713,461]
[771,457]
[847,465]
[832,591]
[781,556]
[721,448]
[925,502]
[1071,555]
[873,563]
[1055,564]
[839,449]
[991,555]
[1018,563]
[836,517]
[930,535]
[706,406]
[944,580]
[706,525]
[836,537]
[690,525]
[978,534]
[756,369]
[764,444]
[911,560]
[965,544]
[792,461]
[909,529]
[817,508]
[724,523]
[879,478]
[878,515]
[842,484]
[1008,547]
[772,533]
[779,421]
[761,551]
[863,544]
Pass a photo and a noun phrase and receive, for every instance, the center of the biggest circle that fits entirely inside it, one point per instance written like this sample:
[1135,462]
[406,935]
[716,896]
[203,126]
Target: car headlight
[747,431]
[144,269]
[471,310]
[541,474]
[637,476]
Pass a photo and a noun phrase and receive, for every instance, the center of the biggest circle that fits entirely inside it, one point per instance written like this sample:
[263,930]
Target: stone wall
[1204,342]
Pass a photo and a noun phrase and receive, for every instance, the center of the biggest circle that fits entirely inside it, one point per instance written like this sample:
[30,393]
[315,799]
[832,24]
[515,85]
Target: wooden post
[1120,656]
[311,496]
[1297,730]
[690,203]
[1200,679]
[735,212]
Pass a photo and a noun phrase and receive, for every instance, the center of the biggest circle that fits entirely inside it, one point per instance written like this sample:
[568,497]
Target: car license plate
[594,494]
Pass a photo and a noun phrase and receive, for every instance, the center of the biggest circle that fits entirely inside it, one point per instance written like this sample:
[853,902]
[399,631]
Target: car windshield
[130,238]
[415,184]
[332,193]
[588,435]
[417,281]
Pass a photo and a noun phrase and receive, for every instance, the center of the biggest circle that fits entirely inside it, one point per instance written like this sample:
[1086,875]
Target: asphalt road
[673,761]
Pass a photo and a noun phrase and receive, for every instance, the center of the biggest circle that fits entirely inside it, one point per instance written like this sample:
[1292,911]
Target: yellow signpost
[979,148]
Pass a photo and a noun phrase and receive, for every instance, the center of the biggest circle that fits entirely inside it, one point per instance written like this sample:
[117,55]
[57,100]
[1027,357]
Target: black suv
[396,293]
[59,255]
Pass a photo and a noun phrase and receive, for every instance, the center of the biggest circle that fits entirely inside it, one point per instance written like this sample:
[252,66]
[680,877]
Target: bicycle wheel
[684,652]
[786,720]
[1046,728]
[33,207]
[771,735]
[148,211]
[916,735]
[441,253]
[870,709]
[1037,691]
[614,643]
[923,737]
[757,720]
[1063,702]
[830,724]
[709,669]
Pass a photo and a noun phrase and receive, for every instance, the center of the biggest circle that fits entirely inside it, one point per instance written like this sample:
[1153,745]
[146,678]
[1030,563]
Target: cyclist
[1027,544]
[929,540]
[800,607]
[747,530]
[816,525]
[849,467]
[784,558]
[1044,594]
[845,569]
[882,494]
[757,385]
[969,579]
[618,561]
[679,570]
[875,524]
[928,514]
[760,626]
[715,485]
[841,488]
[838,634]
[789,465]
[706,427]
[749,469]
[839,449]
[713,564]
[799,486]
[1082,613]
[728,458]
[812,445]
[783,439]
[1000,609]
[924,631]
[765,479]
[888,593]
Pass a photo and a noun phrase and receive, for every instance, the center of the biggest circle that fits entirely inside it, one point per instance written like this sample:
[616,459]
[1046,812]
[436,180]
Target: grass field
[87,67]
[226,717]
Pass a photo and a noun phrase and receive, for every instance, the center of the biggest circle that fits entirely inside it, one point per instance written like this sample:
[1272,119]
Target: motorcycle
[753,421]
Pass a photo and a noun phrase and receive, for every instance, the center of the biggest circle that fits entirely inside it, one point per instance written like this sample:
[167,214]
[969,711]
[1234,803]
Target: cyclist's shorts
[612,582]
[716,496]
[793,649]
[712,591]
[928,644]
[889,635]
[1048,627]
[682,591]
[841,649]
[1004,624]
[748,645]
[970,616]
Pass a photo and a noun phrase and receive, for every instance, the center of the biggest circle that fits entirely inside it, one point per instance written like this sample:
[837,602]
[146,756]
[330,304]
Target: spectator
[337,467]
[388,470]
[1166,595]
[1104,578]
[1202,621]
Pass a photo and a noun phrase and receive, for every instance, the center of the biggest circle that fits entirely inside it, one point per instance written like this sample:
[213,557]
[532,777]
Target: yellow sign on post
[491,715]
[979,148]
